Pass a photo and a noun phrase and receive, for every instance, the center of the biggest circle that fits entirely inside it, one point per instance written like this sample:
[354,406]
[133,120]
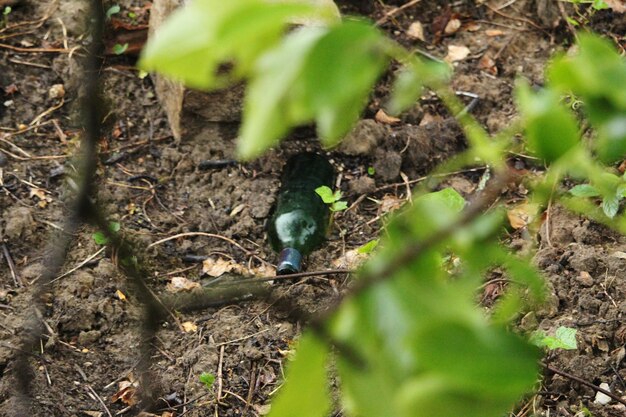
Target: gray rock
[387,164]
[362,185]
[18,222]
[364,138]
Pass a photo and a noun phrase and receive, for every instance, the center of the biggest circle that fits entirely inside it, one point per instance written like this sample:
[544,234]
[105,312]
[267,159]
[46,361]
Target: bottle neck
[289,262]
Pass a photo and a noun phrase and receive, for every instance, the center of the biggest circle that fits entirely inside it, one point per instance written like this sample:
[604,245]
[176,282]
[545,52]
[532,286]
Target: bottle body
[300,219]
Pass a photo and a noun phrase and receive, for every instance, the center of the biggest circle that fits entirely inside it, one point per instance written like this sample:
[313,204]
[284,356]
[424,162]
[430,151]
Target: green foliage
[551,129]
[120,49]
[101,238]
[423,347]
[6,11]
[333,199]
[115,9]
[610,187]
[596,75]
[207,379]
[210,33]
[564,338]
[308,369]
[368,247]
[371,171]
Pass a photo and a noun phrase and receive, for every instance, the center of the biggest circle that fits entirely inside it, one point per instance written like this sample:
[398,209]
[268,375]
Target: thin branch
[59,245]
[395,11]
[587,383]
[371,278]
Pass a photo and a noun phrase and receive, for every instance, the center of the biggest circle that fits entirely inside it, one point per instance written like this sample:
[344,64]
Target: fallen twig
[395,11]
[587,383]
[7,255]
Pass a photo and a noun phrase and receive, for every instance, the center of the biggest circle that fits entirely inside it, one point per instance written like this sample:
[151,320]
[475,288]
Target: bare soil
[155,188]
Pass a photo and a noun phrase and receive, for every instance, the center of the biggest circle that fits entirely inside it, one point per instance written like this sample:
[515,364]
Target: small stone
[602,398]
[88,337]
[362,185]
[585,279]
[387,164]
[56,91]
[105,269]
[18,222]
[452,26]
[32,271]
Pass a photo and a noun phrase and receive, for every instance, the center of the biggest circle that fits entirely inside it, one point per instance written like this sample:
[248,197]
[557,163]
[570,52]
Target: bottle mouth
[289,261]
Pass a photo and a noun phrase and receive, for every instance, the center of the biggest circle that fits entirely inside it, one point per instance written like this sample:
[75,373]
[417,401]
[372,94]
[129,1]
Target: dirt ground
[156,188]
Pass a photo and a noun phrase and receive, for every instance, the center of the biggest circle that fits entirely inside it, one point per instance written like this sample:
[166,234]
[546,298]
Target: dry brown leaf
[350,260]
[618,6]
[494,32]
[216,268]
[120,295]
[382,117]
[472,27]
[416,31]
[178,284]
[56,91]
[189,327]
[488,64]
[457,53]
[126,392]
[43,198]
[238,209]
[521,215]
[92,413]
[430,118]
[264,270]
[390,203]
[452,26]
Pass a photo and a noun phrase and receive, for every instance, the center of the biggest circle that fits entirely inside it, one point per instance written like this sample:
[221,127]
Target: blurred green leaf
[551,129]
[597,75]
[119,49]
[339,75]
[584,190]
[406,91]
[447,197]
[409,83]
[269,98]
[368,247]
[100,237]
[112,10]
[199,37]
[308,369]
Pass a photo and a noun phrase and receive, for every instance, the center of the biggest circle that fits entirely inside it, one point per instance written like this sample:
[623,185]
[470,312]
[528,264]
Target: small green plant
[371,171]
[583,15]
[132,16]
[5,15]
[332,199]
[100,237]
[115,9]
[611,188]
[564,338]
[120,49]
[207,379]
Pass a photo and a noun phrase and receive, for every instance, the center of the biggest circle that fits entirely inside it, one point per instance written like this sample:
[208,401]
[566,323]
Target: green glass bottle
[300,219]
